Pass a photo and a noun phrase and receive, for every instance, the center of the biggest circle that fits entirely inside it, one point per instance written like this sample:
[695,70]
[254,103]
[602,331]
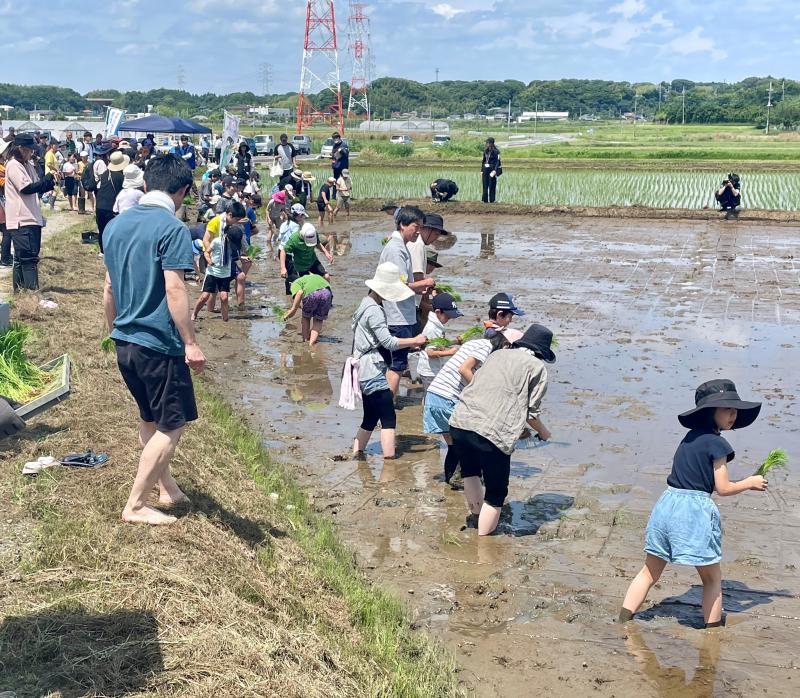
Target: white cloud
[242,27]
[628,8]
[34,43]
[447,11]
[695,42]
[574,25]
[129,49]
[621,34]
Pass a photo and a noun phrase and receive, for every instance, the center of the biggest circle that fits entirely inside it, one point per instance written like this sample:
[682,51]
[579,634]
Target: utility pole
[181,78]
[635,108]
[437,75]
[769,105]
[783,89]
[508,125]
[535,117]
[266,77]
[683,107]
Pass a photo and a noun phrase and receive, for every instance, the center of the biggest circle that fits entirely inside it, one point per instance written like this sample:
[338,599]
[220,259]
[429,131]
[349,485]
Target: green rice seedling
[777,458]
[440,343]
[447,288]
[20,379]
[278,310]
[554,342]
[107,344]
[252,251]
[475,332]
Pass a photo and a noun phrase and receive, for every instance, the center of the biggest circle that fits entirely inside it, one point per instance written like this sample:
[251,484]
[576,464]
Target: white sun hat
[389,284]
[133,177]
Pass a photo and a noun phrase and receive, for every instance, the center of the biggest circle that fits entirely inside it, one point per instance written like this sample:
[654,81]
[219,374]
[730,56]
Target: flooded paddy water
[644,311]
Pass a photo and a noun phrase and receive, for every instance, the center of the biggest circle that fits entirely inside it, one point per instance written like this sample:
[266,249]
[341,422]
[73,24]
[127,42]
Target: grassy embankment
[249,594]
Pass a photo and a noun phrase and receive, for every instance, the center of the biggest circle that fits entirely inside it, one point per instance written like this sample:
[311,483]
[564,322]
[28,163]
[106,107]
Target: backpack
[88,182]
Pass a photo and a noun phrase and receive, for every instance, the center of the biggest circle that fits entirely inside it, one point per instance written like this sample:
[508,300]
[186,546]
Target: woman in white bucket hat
[132,189]
[372,346]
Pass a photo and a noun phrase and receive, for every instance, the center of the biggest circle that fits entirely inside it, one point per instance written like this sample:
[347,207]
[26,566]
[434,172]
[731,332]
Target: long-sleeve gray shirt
[371,330]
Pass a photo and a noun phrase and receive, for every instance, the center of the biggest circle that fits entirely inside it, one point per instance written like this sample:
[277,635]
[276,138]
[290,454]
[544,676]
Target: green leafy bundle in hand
[447,288]
[440,343]
[777,458]
[107,344]
[475,332]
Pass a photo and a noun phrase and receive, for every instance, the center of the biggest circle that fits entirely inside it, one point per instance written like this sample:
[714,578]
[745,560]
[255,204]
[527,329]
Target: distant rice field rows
[693,190]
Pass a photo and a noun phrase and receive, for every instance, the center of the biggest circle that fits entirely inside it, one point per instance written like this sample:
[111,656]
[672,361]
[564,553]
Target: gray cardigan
[371,330]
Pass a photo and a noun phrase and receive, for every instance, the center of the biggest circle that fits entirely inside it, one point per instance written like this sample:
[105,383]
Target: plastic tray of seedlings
[53,392]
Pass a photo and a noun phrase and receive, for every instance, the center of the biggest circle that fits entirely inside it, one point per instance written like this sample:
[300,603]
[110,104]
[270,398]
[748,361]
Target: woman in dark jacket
[244,162]
[489,167]
[108,186]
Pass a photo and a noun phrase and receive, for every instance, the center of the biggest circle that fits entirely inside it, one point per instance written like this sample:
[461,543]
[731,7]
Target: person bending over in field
[729,196]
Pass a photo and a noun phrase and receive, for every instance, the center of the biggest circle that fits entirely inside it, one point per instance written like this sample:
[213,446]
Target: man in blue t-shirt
[147,310]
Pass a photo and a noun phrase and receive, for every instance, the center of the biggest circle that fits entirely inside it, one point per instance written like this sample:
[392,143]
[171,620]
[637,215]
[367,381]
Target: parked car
[440,140]
[265,144]
[303,144]
[401,140]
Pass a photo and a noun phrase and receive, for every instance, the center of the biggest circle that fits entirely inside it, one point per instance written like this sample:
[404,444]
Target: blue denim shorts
[685,528]
[437,413]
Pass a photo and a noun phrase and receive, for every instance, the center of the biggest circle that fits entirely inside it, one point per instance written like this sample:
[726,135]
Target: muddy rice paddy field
[644,311]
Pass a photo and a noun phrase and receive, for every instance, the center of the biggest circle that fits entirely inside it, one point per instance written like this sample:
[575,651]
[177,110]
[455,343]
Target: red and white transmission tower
[360,51]
[320,72]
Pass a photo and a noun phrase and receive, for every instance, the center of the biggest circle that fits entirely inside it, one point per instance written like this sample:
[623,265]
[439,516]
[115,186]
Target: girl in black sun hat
[684,526]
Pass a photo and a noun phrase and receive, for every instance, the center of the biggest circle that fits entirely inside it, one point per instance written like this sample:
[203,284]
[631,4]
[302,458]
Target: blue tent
[155,123]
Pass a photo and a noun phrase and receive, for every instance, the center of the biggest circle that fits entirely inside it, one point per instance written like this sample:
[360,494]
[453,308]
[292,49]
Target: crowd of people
[483,393]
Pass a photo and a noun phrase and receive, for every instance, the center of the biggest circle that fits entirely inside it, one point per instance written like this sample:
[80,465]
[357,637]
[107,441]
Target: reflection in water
[670,681]
[339,244]
[487,246]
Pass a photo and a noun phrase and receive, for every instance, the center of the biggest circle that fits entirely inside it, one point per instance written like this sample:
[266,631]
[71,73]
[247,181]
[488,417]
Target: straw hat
[309,177]
[133,177]
[388,283]
[118,161]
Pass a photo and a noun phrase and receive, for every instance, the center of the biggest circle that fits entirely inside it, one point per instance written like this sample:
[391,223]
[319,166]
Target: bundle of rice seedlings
[447,288]
[107,344]
[20,379]
[777,458]
[439,343]
[475,332]
[252,251]
[278,310]
[554,342]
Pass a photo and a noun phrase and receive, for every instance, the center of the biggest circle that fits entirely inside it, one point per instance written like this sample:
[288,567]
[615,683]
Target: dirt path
[643,313]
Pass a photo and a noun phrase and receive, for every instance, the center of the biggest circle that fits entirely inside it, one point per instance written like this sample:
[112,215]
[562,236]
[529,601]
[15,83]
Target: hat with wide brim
[309,177]
[133,177]
[720,392]
[389,284]
[4,145]
[118,161]
[433,221]
[102,148]
[539,340]
[24,140]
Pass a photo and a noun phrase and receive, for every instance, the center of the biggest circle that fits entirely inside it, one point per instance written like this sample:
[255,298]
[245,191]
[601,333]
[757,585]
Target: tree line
[670,102]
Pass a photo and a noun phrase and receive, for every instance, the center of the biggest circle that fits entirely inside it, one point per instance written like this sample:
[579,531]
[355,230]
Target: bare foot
[173,500]
[147,515]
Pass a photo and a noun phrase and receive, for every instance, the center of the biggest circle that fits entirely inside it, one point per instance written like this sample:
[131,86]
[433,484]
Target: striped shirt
[448,382]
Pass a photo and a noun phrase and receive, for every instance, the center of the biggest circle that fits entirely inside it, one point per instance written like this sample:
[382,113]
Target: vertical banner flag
[114,119]
[230,137]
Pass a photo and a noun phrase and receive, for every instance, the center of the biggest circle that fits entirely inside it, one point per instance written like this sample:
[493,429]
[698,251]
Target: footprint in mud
[526,518]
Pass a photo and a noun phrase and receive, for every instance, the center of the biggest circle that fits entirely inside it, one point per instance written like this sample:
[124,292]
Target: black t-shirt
[446,186]
[693,463]
[328,190]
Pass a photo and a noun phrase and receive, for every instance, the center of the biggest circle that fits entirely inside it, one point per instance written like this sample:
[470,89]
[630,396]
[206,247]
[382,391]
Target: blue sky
[139,44]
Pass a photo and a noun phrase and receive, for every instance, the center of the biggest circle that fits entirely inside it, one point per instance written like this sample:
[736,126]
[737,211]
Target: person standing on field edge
[490,170]
[147,310]
[340,156]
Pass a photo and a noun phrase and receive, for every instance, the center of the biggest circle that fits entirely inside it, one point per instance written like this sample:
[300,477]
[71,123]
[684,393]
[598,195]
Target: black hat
[538,339]
[719,393]
[435,222]
[227,180]
[504,301]
[445,303]
[103,148]
[432,258]
[24,140]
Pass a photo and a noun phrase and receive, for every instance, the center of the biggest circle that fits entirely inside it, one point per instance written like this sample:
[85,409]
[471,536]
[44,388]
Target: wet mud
[644,311]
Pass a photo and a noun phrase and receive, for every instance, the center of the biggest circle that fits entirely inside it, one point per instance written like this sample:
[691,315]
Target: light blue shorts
[685,528]
[437,413]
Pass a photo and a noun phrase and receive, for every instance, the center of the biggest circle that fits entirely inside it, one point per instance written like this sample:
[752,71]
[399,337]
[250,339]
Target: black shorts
[480,457]
[161,385]
[70,186]
[379,407]
[400,356]
[321,206]
[214,284]
[315,268]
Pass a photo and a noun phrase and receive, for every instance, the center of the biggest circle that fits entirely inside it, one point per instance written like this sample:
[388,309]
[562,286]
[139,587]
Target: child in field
[431,359]
[445,389]
[684,526]
[219,258]
[501,312]
[314,293]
